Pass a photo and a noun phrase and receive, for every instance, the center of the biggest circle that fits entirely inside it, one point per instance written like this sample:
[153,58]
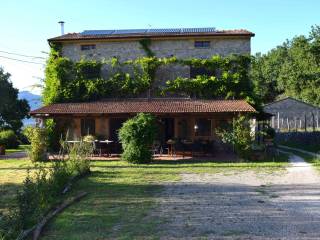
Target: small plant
[137,135]
[238,134]
[38,138]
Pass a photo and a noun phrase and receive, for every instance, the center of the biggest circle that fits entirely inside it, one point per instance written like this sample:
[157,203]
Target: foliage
[38,138]
[68,81]
[88,138]
[238,134]
[78,156]
[292,69]
[44,188]
[145,44]
[12,110]
[137,135]
[9,139]
[226,78]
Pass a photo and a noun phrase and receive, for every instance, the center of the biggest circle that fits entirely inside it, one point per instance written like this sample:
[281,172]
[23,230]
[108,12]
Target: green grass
[121,195]
[21,148]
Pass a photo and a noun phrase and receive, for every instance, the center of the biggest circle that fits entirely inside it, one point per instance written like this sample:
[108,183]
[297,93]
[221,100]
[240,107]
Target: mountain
[34,101]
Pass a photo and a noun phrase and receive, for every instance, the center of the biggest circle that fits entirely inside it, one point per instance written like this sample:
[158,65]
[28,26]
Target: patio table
[107,142]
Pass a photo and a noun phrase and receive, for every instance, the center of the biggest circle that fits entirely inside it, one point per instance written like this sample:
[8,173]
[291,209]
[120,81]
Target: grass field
[121,195]
[21,148]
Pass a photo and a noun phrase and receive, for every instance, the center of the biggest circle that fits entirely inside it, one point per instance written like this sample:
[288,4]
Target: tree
[12,110]
[292,69]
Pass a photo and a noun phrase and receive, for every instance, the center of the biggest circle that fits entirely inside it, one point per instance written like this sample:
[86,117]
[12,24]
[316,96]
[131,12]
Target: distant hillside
[34,102]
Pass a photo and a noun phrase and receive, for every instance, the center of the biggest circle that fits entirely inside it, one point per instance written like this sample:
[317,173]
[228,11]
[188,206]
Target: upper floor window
[200,71]
[201,44]
[88,47]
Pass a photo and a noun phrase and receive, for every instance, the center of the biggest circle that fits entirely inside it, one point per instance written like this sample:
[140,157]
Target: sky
[26,25]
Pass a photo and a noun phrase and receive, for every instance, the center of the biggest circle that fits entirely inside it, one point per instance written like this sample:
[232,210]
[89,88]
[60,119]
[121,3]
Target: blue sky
[25,25]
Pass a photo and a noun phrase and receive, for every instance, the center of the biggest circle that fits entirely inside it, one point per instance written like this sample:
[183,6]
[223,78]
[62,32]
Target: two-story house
[179,118]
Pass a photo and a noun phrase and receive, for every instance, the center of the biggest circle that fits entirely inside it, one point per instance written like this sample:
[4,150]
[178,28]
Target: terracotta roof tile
[156,106]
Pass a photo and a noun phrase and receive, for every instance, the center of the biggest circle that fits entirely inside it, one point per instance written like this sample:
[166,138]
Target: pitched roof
[149,33]
[156,106]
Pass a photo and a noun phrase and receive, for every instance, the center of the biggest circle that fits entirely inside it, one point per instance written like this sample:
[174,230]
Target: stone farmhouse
[179,118]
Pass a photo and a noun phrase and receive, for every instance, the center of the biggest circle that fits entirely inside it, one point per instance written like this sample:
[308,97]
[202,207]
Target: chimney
[62,27]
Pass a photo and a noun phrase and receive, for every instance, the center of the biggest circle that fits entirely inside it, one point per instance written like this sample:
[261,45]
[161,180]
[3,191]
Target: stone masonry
[180,48]
[184,48]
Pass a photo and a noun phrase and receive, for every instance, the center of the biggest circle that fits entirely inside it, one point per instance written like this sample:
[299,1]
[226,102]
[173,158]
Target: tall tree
[12,110]
[292,69]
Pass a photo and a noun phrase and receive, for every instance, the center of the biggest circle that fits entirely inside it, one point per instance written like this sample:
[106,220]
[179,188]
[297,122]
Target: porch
[186,127]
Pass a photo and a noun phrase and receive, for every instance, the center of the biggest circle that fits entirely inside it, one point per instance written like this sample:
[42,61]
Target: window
[202,44]
[202,127]
[88,126]
[87,47]
[196,71]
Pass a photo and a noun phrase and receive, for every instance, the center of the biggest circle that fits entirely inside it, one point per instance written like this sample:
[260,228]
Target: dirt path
[15,155]
[243,205]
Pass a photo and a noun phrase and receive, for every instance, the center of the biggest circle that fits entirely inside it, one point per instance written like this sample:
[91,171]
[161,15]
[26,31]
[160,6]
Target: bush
[38,139]
[239,135]
[137,135]
[9,139]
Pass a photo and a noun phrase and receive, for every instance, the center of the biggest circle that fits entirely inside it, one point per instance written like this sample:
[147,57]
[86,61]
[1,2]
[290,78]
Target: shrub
[239,135]
[38,139]
[137,135]
[9,139]
[78,155]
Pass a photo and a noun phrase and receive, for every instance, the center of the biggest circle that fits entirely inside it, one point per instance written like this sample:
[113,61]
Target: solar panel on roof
[97,32]
[129,31]
[146,31]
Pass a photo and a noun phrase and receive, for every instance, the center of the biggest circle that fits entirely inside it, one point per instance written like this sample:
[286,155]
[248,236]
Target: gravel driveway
[243,205]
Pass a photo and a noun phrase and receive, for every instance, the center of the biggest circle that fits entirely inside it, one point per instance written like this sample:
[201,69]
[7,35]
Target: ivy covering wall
[68,81]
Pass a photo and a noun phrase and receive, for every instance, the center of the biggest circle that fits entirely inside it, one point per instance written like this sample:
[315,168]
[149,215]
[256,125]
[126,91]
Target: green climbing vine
[89,80]
[145,44]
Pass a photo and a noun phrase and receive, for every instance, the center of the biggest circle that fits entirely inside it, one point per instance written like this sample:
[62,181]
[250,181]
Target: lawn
[121,196]
[21,148]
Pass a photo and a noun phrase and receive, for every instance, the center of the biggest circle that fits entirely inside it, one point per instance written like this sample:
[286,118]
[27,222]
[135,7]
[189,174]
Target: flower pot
[2,150]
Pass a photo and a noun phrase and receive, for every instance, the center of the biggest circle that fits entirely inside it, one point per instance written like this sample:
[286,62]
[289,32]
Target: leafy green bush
[38,139]
[9,139]
[137,135]
[238,134]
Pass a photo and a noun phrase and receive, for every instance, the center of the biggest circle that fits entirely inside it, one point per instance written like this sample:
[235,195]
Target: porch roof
[153,105]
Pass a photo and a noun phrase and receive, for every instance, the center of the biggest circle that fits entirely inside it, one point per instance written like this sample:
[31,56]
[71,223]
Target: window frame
[87,47]
[85,124]
[202,44]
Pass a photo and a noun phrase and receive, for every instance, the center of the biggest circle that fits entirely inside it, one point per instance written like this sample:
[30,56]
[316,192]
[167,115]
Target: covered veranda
[186,126]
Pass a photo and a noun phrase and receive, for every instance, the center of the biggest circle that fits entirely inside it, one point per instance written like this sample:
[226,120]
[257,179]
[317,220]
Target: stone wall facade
[181,48]
[292,114]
